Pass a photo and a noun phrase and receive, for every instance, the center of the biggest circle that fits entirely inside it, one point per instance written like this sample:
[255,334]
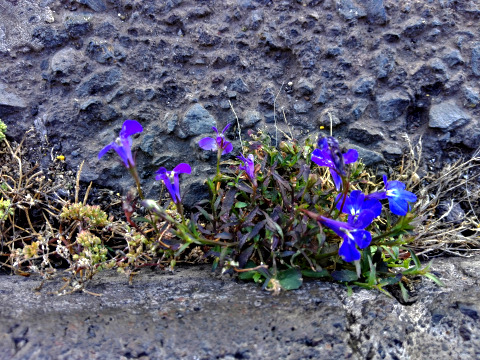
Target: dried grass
[448,205]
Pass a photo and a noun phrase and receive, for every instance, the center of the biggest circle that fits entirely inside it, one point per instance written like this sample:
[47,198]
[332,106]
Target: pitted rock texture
[75,70]
[194,314]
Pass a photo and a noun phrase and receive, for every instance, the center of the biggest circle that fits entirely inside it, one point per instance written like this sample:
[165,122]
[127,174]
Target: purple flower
[398,197]
[356,204]
[219,142]
[248,166]
[328,154]
[123,144]
[353,234]
[171,181]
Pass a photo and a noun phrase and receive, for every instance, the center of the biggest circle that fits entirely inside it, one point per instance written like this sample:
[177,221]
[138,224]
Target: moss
[3,130]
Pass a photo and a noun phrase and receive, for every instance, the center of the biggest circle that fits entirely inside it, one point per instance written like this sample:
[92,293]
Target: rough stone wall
[75,70]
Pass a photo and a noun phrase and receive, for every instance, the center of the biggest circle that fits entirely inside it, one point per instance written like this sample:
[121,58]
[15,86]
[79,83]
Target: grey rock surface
[392,105]
[194,314]
[197,121]
[18,20]
[9,101]
[447,116]
[85,66]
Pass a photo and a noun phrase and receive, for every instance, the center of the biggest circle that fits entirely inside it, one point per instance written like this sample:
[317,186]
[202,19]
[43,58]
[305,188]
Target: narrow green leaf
[205,214]
[435,279]
[404,292]
[415,259]
[372,276]
[141,219]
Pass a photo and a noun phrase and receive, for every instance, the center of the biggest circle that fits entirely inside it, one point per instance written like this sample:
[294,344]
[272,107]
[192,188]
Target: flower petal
[208,143]
[163,176]
[350,156]
[373,205]
[408,196]
[398,206]
[348,251]
[357,199]
[378,195]
[160,171]
[321,158]
[182,168]
[124,153]
[364,219]
[105,150]
[336,179]
[225,128]
[130,127]
[395,185]
[362,238]
[228,147]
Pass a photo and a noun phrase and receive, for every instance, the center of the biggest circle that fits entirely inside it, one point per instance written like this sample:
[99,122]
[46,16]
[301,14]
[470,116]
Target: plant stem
[219,156]
[134,172]
[180,210]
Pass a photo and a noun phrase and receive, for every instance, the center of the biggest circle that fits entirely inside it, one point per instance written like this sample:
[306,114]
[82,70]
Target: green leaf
[248,275]
[435,279]
[372,276]
[256,276]
[205,214]
[240,205]
[404,292]
[344,275]
[315,274]
[415,259]
[211,186]
[141,219]
[290,279]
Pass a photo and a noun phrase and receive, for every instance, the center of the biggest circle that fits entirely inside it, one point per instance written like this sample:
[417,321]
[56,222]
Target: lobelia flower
[356,203]
[328,154]
[219,142]
[123,144]
[171,181]
[248,166]
[398,197]
[353,234]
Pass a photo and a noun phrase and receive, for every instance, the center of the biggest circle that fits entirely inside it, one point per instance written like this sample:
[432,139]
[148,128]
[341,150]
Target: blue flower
[353,234]
[356,204]
[123,144]
[398,197]
[328,154]
[171,181]
[219,142]
[249,167]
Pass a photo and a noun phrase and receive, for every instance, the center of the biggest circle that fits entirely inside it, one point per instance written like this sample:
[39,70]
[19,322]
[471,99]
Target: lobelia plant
[277,215]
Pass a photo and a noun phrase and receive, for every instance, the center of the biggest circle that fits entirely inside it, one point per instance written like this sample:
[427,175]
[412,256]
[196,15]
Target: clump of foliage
[276,215]
[283,213]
